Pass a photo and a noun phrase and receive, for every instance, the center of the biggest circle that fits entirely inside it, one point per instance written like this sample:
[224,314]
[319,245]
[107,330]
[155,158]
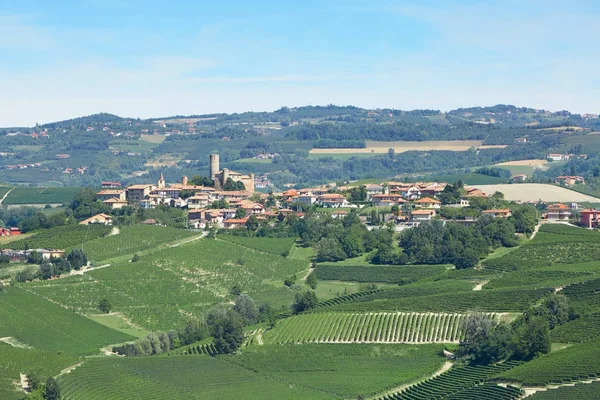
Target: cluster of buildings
[22,166]
[10,231]
[566,157]
[569,180]
[22,255]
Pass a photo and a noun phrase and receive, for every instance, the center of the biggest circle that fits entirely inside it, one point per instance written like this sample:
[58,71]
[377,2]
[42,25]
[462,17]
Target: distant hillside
[84,122]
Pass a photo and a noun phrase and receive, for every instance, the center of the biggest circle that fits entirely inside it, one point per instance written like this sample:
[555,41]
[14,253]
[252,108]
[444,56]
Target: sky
[63,59]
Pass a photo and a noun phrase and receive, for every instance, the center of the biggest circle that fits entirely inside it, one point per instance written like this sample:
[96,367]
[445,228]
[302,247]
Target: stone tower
[161,182]
[214,165]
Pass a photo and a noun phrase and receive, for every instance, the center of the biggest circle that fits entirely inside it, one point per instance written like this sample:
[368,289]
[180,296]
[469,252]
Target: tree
[311,280]
[77,258]
[46,270]
[105,306]
[531,338]
[51,391]
[485,341]
[252,223]
[468,259]
[34,258]
[231,185]
[304,301]
[4,259]
[245,307]
[227,329]
[240,213]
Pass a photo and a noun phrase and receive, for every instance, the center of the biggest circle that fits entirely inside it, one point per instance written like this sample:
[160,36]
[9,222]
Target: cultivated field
[402,146]
[369,328]
[153,138]
[22,196]
[537,191]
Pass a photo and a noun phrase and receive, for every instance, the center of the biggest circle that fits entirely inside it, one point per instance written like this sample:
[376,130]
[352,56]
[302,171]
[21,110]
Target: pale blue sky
[62,59]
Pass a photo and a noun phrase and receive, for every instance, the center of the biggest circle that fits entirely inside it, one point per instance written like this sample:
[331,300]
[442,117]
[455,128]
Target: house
[520,178]
[428,202]
[422,215]
[332,200]
[112,194]
[569,180]
[150,221]
[381,200]
[252,208]
[48,254]
[373,189]
[557,157]
[589,218]
[306,198]
[498,213]
[339,214]
[137,193]
[558,212]
[98,219]
[474,192]
[433,189]
[63,156]
[10,231]
[235,223]
[198,201]
[397,187]
[521,140]
[115,203]
[412,193]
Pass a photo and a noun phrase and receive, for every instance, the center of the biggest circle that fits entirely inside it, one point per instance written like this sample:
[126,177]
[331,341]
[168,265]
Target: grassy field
[22,195]
[341,156]
[136,146]
[342,371]
[157,139]
[468,179]
[537,191]
[46,326]
[174,377]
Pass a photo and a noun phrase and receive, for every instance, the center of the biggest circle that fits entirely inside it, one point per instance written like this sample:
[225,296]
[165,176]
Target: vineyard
[46,326]
[578,362]
[341,371]
[382,273]
[497,300]
[452,383]
[133,239]
[173,378]
[61,237]
[14,360]
[277,246]
[581,391]
[185,280]
[580,330]
[368,328]
[23,195]
[537,278]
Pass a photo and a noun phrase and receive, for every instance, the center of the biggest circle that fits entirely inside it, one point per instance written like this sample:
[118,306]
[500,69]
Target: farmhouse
[520,178]
[498,213]
[373,189]
[198,201]
[558,212]
[98,219]
[137,193]
[111,194]
[432,189]
[307,198]
[428,202]
[111,185]
[235,223]
[10,231]
[557,157]
[569,180]
[474,192]
[115,203]
[589,218]
[521,140]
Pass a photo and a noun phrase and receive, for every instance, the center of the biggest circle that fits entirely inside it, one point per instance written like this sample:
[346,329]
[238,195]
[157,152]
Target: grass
[341,370]
[468,179]
[136,146]
[47,326]
[22,195]
[118,323]
[173,377]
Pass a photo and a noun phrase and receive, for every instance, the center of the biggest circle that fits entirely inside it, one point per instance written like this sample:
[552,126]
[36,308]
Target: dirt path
[305,277]
[14,342]
[531,390]
[84,270]
[6,195]
[71,368]
[24,383]
[536,229]
[203,235]
[447,365]
[480,285]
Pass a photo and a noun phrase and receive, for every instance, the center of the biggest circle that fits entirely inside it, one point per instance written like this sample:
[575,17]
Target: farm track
[531,390]
[203,235]
[447,365]
[5,195]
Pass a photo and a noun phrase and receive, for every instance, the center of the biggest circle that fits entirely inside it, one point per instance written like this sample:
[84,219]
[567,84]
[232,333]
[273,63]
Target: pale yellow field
[537,191]
[402,146]
[524,162]
[153,138]
[562,128]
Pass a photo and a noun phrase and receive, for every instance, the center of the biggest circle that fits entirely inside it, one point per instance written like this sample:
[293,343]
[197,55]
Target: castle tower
[214,165]
[184,180]
[161,181]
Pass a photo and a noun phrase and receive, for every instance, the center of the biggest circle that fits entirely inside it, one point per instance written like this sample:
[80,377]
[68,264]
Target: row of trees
[52,267]
[488,341]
